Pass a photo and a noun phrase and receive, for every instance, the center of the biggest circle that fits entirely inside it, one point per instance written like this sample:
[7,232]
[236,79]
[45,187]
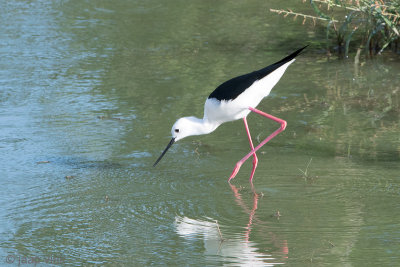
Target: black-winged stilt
[233,100]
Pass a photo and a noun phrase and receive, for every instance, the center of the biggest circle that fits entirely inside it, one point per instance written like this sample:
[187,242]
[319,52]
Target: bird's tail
[291,56]
[267,70]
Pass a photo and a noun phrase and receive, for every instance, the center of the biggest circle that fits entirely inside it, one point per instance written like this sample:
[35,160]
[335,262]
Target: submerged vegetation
[359,113]
[356,117]
[363,25]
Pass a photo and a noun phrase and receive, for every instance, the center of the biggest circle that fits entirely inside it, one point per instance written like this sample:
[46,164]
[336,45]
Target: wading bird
[233,100]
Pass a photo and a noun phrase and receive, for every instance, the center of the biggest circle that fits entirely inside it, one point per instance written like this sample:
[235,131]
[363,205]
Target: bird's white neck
[188,126]
[201,126]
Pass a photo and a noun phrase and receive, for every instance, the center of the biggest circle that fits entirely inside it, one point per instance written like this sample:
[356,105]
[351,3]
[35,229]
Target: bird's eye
[177,130]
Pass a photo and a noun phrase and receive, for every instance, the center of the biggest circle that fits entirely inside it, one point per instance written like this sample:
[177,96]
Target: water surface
[89,91]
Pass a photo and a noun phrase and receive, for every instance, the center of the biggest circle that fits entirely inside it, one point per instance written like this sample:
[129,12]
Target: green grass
[359,25]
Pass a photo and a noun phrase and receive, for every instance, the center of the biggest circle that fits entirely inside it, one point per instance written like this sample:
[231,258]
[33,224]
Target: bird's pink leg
[255,159]
[283,126]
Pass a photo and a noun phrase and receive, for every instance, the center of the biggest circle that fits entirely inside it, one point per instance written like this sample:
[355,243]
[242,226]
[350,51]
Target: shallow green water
[89,91]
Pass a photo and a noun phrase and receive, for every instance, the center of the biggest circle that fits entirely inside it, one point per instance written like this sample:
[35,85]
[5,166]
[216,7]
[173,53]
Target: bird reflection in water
[234,249]
[281,244]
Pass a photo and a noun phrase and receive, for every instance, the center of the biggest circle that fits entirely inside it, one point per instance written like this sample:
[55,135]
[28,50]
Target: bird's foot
[255,162]
[252,175]
[235,171]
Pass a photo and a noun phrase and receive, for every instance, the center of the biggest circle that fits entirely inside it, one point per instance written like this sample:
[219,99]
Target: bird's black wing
[232,88]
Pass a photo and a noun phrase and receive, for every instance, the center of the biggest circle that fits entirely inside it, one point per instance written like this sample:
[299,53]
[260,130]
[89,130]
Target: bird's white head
[185,127]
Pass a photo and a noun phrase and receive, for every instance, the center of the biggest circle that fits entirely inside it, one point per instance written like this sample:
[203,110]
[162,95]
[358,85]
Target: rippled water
[89,91]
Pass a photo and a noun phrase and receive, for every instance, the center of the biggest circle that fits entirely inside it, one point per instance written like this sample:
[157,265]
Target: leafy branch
[375,24]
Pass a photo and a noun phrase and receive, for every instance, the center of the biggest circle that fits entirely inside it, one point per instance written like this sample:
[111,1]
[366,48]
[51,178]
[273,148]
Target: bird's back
[233,109]
[232,99]
[232,88]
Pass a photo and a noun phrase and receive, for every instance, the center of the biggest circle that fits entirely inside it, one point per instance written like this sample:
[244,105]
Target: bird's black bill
[165,151]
